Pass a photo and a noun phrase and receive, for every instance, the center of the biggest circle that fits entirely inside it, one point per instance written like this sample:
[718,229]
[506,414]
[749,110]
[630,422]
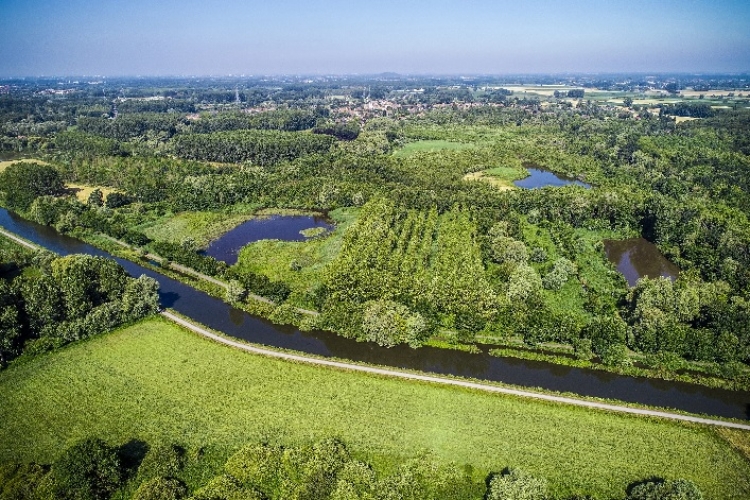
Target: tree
[524,284]
[627,101]
[678,489]
[515,484]
[115,199]
[10,326]
[162,460]
[605,331]
[508,250]
[141,298]
[576,93]
[257,465]
[21,183]
[76,278]
[96,198]
[355,481]
[235,292]
[21,482]
[161,488]
[227,487]
[389,323]
[42,303]
[86,281]
[89,470]
[559,275]
[615,355]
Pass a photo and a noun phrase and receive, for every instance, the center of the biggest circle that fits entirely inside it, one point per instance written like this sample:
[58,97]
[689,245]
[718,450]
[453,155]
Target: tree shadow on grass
[131,455]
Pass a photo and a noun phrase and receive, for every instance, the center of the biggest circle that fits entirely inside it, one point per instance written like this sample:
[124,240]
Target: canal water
[218,315]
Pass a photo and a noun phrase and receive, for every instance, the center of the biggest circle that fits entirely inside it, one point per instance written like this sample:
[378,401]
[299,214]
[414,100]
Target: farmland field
[157,382]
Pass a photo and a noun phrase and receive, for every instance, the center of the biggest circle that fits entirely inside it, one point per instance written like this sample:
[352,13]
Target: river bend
[222,317]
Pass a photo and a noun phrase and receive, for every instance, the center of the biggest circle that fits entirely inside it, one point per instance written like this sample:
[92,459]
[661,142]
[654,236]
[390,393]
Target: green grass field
[274,258]
[200,226]
[157,382]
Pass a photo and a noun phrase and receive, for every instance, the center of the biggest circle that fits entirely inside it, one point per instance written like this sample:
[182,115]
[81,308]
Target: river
[220,316]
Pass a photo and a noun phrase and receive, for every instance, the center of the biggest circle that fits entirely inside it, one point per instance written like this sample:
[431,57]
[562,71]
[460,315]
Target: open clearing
[82,191]
[4,164]
[500,177]
[201,227]
[683,119]
[157,382]
[431,147]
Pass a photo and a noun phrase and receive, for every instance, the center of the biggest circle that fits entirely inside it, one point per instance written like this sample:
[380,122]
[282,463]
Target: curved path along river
[221,317]
[447,381]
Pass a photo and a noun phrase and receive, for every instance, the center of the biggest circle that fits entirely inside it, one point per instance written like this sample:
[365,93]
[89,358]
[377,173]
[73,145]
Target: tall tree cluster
[56,300]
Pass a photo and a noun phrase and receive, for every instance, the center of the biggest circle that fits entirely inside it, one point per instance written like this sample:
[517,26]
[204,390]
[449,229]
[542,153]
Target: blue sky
[221,37]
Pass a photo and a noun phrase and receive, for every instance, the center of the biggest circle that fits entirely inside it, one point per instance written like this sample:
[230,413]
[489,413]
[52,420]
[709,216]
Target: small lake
[274,227]
[539,178]
[636,258]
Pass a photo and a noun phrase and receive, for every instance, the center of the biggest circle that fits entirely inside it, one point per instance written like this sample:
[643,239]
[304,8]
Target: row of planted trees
[403,275]
[405,272]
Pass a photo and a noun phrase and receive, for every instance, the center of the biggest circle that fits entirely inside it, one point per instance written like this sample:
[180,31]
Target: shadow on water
[219,316]
[168,299]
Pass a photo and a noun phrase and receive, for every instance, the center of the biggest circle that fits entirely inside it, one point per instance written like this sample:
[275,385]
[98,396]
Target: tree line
[92,469]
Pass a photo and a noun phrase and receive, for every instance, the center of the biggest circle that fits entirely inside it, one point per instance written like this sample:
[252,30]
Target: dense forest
[443,246]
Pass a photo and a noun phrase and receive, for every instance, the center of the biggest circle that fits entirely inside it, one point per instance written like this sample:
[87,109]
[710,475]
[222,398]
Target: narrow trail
[447,381]
[18,240]
[423,378]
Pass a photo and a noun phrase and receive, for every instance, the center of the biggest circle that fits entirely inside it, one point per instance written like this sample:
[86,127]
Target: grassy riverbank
[156,382]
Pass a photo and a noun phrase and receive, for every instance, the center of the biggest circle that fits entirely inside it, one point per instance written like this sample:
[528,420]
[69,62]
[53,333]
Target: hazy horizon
[290,37]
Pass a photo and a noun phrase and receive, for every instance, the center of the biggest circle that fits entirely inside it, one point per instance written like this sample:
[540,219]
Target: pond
[540,177]
[274,227]
[636,257]
[222,317]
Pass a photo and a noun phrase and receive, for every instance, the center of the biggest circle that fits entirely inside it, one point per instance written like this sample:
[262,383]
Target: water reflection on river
[222,317]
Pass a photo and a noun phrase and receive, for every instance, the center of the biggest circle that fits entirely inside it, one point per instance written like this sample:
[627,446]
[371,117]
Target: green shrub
[89,470]
[161,488]
[678,489]
[20,482]
[515,484]
[162,460]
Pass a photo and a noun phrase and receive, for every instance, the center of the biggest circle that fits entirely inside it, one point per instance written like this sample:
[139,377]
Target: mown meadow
[155,382]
